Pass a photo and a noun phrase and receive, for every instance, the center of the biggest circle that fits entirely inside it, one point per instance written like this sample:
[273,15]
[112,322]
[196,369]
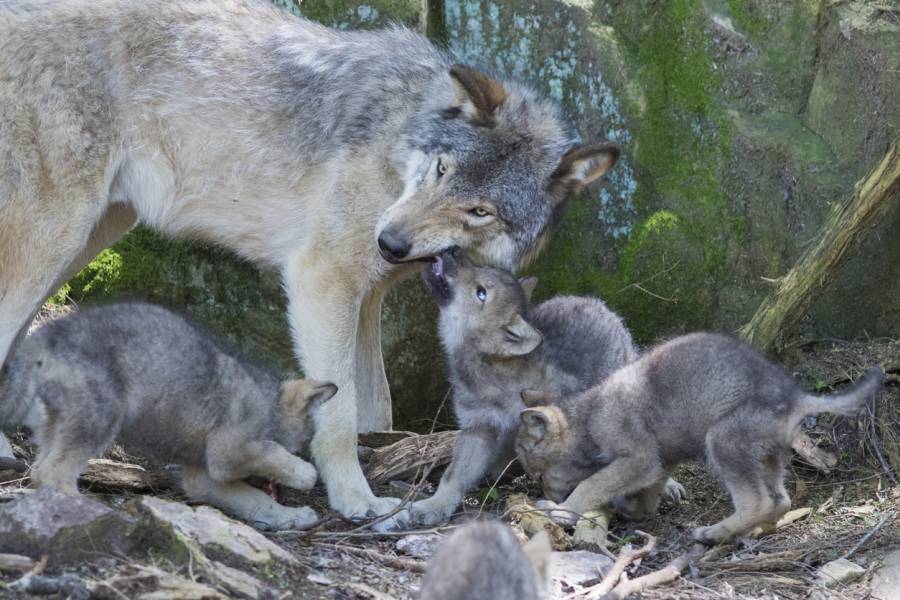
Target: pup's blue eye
[481,293]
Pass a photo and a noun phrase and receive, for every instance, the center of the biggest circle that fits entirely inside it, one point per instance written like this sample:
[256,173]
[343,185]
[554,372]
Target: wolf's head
[483,309]
[298,403]
[487,167]
[549,447]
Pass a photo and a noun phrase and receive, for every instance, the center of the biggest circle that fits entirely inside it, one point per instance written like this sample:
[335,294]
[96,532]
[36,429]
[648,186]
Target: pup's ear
[533,398]
[477,95]
[583,164]
[528,284]
[538,551]
[541,422]
[306,394]
[520,337]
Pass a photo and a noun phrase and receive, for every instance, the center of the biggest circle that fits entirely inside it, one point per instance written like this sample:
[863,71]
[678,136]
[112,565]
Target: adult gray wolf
[497,346]
[697,397]
[484,561]
[343,159]
[146,376]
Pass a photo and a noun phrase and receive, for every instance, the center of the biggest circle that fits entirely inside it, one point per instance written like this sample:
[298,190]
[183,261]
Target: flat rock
[886,579]
[573,569]
[70,529]
[218,536]
[419,545]
[839,571]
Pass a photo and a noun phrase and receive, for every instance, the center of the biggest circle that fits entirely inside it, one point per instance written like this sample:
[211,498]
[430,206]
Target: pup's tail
[846,402]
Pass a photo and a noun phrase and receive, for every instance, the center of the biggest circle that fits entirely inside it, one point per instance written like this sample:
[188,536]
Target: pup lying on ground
[700,396]
[497,347]
[167,390]
[485,561]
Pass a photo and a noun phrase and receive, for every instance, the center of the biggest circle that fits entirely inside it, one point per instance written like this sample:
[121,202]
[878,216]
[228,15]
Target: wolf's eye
[481,293]
[441,168]
[479,212]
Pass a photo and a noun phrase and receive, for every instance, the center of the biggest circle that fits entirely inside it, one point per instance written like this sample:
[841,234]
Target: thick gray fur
[500,347]
[485,561]
[341,159]
[700,397]
[168,391]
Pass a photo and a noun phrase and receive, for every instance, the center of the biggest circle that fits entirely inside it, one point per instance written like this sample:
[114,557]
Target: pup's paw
[674,491]
[712,534]
[302,476]
[431,511]
[559,513]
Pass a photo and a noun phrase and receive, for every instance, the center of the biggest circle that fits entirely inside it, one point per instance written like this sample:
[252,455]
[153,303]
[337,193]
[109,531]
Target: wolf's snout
[393,247]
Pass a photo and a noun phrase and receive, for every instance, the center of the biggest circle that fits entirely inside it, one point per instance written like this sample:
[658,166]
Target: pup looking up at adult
[697,397]
[484,561]
[167,390]
[496,347]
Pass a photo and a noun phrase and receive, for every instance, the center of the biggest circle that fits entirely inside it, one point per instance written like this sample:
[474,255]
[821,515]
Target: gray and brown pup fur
[496,347]
[700,397]
[484,561]
[148,377]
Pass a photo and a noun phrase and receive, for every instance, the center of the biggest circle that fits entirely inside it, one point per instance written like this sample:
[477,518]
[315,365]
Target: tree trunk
[817,268]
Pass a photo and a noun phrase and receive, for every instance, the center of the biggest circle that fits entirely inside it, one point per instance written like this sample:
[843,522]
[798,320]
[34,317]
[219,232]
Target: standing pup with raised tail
[340,158]
[701,397]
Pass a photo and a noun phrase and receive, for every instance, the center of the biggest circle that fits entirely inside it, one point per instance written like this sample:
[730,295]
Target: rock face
[743,121]
[69,529]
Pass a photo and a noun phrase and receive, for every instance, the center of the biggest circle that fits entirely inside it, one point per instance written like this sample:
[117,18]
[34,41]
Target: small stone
[839,571]
[319,578]
[886,580]
[419,545]
[577,567]
[69,529]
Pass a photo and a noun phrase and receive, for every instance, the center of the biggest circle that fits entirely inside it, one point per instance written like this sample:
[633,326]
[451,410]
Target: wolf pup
[340,158]
[170,392]
[698,397]
[484,561]
[496,347]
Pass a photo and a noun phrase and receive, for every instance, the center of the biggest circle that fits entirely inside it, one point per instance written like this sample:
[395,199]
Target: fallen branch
[394,562]
[817,268]
[884,519]
[812,455]
[670,572]
[408,456]
[15,562]
[627,557]
[111,474]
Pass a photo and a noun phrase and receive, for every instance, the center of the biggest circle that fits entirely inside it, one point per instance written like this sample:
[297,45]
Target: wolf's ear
[528,284]
[538,551]
[477,95]
[320,394]
[541,422]
[533,398]
[583,164]
[520,337]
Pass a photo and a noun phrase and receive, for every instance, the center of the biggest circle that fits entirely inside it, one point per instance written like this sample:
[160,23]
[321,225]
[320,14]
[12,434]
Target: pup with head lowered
[496,347]
[148,377]
[697,397]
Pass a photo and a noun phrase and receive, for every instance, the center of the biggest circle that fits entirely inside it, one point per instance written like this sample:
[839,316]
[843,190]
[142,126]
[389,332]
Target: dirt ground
[345,560]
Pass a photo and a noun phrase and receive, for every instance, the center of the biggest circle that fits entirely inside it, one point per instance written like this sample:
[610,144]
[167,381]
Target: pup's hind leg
[748,480]
[244,501]
[773,479]
[228,460]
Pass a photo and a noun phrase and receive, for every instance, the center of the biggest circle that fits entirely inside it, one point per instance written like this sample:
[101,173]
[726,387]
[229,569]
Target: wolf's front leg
[324,312]
[475,452]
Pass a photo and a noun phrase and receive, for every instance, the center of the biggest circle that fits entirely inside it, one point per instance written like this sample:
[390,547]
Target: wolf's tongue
[437,267]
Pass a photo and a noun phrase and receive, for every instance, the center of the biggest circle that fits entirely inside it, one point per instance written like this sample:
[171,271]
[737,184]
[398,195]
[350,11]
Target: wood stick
[394,562]
[795,292]
[670,572]
[626,558]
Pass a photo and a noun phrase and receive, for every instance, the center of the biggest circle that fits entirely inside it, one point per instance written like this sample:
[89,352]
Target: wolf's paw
[360,507]
[285,517]
[559,513]
[712,534]
[431,511]
[302,476]
[674,491]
